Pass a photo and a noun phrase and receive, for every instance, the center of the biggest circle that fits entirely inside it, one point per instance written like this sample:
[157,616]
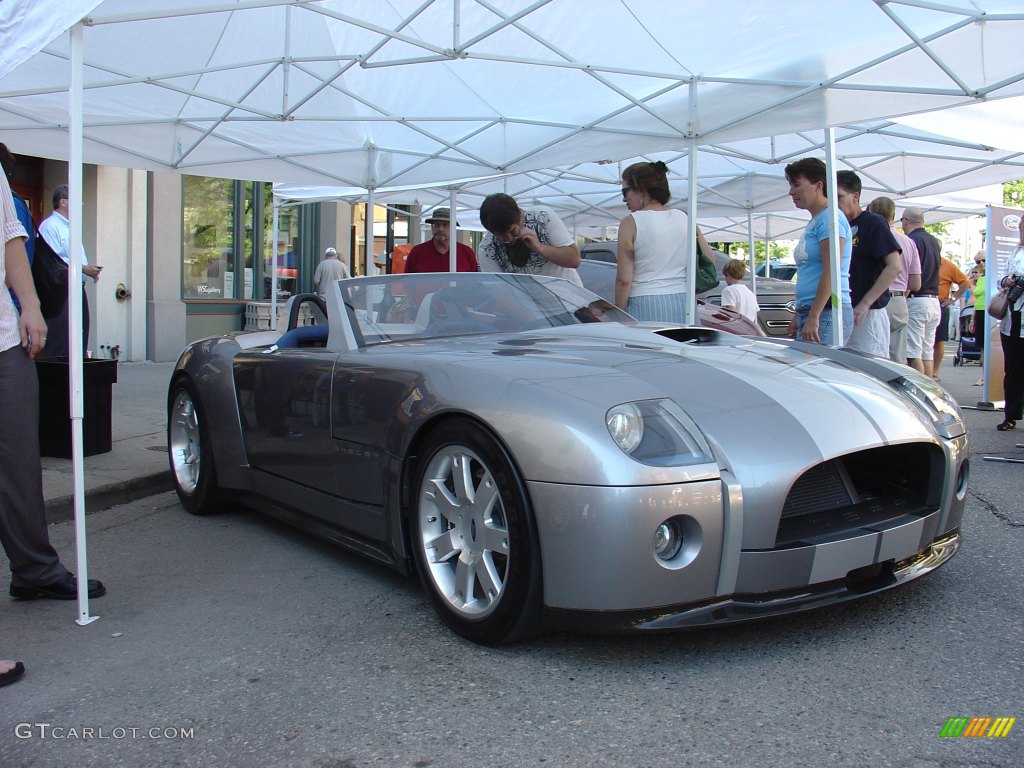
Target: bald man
[923,311]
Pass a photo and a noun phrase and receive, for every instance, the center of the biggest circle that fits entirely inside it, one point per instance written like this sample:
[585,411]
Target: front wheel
[474,537]
[189,451]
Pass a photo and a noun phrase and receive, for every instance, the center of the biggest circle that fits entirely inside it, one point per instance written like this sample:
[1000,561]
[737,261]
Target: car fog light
[668,539]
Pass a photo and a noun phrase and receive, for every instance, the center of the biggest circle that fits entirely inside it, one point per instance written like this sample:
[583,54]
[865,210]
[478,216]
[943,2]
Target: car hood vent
[690,335]
[819,488]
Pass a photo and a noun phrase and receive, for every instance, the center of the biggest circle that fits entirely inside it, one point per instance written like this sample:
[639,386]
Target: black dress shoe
[12,675]
[65,588]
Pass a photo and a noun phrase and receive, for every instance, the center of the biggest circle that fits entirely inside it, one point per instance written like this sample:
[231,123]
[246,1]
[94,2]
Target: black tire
[189,451]
[474,542]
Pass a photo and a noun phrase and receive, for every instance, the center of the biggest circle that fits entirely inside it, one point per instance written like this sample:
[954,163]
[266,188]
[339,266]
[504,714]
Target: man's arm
[880,286]
[31,324]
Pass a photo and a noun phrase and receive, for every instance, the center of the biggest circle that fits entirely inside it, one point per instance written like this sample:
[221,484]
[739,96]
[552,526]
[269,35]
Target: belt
[896,293]
[923,296]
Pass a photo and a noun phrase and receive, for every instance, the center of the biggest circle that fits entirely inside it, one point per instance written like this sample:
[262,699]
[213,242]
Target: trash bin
[55,406]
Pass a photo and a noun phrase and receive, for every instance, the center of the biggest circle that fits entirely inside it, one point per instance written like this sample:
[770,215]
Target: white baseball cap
[331,250]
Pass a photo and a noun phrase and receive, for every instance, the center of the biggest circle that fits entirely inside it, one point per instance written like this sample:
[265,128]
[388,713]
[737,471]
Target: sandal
[1006,425]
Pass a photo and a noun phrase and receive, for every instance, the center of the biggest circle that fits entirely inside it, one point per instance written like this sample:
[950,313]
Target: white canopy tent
[374,95]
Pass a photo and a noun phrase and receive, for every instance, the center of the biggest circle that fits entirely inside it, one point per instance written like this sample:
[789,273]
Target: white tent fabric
[24,31]
[734,178]
[997,124]
[369,94]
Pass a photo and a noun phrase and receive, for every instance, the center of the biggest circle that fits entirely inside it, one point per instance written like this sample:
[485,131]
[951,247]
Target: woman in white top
[650,279]
[1011,334]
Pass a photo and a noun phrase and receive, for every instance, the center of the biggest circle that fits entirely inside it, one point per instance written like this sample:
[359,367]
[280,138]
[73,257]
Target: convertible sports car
[541,460]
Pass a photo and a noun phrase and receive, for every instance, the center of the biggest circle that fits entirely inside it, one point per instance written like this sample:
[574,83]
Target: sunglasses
[625,190]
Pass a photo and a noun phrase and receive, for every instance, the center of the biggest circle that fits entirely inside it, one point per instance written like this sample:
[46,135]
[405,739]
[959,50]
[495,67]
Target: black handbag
[50,274]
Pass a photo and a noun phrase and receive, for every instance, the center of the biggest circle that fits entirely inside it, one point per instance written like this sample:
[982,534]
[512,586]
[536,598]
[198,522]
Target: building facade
[183,256]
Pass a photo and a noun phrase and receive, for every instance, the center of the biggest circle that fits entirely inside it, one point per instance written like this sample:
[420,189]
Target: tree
[1013,194]
[738,250]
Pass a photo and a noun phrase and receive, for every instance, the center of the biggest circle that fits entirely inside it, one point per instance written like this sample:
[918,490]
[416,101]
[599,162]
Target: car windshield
[409,307]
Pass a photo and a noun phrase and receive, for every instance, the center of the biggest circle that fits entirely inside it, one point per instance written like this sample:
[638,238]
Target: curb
[62,508]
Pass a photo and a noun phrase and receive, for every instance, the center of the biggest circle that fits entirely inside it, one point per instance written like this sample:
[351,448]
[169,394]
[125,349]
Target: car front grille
[864,490]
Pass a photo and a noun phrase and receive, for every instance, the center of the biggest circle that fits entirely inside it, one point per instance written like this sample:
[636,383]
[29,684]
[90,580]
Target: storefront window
[229,249]
[390,228]
[209,240]
[283,261]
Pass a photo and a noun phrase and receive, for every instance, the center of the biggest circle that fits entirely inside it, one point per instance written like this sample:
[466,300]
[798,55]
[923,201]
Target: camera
[1015,290]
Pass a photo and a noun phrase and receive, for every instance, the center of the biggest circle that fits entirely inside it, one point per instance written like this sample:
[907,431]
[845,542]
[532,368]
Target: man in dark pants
[36,570]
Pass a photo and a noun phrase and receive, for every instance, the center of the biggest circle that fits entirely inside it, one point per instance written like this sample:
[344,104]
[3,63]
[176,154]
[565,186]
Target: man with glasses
[923,304]
[533,241]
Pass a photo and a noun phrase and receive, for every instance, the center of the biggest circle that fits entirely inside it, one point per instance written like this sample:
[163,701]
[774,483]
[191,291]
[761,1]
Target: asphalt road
[245,643]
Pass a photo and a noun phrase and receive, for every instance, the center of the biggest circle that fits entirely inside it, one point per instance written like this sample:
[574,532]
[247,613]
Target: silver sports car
[541,460]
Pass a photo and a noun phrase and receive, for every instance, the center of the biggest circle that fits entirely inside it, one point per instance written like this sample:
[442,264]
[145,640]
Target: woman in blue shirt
[814,299]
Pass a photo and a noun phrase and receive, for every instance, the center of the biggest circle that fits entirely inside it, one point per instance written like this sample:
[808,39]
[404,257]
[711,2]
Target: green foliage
[939,229]
[740,250]
[1013,194]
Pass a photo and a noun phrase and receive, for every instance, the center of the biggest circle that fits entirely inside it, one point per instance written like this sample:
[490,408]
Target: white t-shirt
[551,230]
[741,299]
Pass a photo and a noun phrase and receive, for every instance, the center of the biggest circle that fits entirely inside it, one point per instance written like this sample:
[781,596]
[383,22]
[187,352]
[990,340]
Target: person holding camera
[532,241]
[1011,336]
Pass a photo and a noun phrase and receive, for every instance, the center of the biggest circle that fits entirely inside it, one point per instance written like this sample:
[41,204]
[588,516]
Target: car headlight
[934,401]
[657,432]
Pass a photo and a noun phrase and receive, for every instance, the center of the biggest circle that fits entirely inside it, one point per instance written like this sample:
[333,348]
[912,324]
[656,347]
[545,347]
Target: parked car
[779,269]
[775,297]
[542,460]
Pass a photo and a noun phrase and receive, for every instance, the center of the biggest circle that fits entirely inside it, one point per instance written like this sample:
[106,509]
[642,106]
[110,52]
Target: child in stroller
[971,341]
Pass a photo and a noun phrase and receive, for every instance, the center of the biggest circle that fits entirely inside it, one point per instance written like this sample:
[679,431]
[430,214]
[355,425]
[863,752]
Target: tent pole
[273,263]
[452,234]
[75,351]
[368,235]
[833,237]
[750,242]
[690,310]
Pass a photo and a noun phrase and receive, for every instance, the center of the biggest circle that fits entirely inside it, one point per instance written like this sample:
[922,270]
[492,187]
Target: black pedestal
[55,406]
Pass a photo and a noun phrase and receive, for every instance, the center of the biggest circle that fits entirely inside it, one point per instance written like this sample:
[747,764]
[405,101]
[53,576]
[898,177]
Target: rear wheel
[188,447]
[474,537]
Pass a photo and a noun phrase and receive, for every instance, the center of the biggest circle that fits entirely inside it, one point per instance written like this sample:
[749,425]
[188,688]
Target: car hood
[767,409]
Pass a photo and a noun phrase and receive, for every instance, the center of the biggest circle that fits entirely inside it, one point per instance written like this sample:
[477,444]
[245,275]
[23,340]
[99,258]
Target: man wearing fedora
[432,256]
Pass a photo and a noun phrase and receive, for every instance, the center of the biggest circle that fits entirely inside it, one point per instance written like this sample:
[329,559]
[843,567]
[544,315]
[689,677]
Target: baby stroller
[971,342]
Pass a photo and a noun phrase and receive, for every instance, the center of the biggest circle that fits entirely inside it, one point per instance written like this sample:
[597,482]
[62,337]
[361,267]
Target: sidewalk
[136,466]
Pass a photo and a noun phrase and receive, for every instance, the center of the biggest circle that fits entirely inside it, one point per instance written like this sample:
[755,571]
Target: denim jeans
[825,323]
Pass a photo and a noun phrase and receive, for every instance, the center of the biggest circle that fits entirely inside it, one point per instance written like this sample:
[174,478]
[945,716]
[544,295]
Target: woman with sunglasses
[653,249]
[1011,336]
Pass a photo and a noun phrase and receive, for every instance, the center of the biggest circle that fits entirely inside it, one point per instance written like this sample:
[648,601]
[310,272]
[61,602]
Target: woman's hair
[6,160]
[499,213]
[651,178]
[884,207]
[735,268]
[811,168]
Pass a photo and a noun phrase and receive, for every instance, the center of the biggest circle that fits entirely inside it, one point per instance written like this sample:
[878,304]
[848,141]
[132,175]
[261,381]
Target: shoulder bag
[50,275]
[707,275]
[998,306]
